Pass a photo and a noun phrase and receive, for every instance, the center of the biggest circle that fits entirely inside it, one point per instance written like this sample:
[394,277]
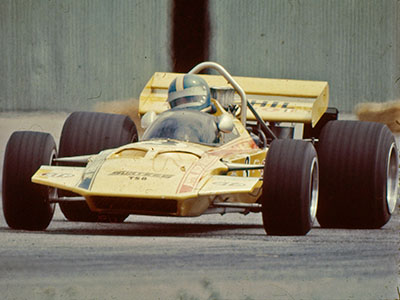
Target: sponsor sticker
[57,175]
[228,184]
[140,175]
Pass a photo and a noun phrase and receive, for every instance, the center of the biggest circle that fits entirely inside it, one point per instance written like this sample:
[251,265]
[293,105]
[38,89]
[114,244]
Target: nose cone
[155,176]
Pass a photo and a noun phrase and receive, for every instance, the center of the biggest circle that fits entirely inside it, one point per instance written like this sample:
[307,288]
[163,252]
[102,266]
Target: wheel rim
[392,176]
[314,187]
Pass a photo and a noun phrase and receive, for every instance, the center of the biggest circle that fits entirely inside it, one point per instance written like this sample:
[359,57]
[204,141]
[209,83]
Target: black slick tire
[90,133]
[358,175]
[290,188]
[25,204]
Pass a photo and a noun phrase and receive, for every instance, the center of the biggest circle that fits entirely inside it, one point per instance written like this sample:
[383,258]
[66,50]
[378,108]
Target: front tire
[290,188]
[359,175]
[26,204]
[90,133]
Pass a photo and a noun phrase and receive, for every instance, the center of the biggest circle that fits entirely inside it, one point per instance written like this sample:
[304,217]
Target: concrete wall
[67,55]
[351,44]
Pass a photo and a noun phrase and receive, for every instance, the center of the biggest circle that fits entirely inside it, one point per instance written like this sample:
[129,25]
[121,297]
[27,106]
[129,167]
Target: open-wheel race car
[243,145]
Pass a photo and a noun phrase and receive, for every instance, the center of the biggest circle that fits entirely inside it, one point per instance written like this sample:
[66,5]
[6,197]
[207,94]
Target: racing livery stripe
[197,170]
[239,145]
[91,170]
[273,104]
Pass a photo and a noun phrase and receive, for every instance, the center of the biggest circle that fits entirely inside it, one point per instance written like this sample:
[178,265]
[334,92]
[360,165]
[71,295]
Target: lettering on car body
[228,184]
[140,175]
[58,175]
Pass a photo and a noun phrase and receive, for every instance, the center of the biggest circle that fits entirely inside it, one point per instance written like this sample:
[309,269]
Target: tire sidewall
[385,143]
[353,159]
[286,188]
[26,204]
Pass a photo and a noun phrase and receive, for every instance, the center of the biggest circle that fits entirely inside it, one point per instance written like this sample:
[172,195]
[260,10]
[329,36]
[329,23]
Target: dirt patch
[387,113]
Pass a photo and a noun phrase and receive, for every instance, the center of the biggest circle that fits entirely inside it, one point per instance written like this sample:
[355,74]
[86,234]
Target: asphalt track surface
[209,257]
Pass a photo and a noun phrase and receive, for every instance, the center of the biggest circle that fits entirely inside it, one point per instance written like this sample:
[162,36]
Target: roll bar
[243,111]
[220,69]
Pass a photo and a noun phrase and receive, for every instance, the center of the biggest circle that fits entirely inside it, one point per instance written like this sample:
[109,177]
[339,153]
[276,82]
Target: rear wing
[275,100]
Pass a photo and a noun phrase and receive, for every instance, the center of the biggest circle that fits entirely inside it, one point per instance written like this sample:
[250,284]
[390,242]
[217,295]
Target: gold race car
[260,145]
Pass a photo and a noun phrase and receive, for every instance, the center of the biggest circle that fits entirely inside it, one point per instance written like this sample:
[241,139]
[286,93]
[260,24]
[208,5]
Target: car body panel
[179,178]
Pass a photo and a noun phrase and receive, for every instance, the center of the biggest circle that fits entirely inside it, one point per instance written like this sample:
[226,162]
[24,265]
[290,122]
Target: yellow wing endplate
[220,184]
[275,100]
[66,178]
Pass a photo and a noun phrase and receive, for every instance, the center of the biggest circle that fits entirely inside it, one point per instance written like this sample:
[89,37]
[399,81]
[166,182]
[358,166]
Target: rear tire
[26,204]
[90,133]
[359,175]
[290,188]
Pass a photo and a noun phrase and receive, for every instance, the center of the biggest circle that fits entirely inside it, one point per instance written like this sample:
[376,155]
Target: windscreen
[184,125]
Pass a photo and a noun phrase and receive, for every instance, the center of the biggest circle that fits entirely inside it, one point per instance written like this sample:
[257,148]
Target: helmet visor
[194,96]
[188,101]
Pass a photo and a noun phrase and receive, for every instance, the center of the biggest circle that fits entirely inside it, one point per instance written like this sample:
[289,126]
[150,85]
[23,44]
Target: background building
[68,55]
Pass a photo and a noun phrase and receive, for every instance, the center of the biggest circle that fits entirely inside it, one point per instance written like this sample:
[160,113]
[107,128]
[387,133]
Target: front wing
[216,189]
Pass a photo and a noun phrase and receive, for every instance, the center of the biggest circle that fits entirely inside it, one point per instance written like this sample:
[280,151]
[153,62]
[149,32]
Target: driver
[189,91]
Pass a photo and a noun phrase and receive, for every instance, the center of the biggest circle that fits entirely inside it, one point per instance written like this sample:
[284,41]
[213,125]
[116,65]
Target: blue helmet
[189,91]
